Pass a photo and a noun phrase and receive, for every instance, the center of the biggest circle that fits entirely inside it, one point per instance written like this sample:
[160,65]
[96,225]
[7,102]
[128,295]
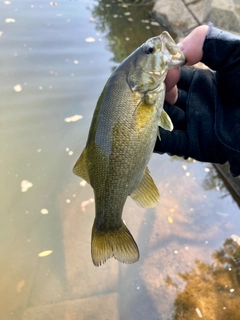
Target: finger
[178,94]
[192,49]
[172,78]
[192,45]
[172,95]
[172,143]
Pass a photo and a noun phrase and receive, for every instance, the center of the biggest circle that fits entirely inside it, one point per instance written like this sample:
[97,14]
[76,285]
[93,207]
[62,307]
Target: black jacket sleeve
[206,116]
[221,52]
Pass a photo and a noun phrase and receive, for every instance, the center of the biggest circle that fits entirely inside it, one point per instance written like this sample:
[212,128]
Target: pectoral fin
[165,121]
[80,168]
[146,194]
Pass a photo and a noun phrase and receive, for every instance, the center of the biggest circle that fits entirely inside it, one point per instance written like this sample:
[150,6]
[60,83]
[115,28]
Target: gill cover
[151,62]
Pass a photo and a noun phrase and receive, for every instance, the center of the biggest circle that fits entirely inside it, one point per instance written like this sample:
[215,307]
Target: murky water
[54,61]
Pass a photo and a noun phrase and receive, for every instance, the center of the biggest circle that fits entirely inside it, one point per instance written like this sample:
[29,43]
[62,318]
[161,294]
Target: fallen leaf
[45,253]
[25,185]
[90,39]
[10,20]
[17,88]
[44,211]
[83,183]
[73,118]
[85,203]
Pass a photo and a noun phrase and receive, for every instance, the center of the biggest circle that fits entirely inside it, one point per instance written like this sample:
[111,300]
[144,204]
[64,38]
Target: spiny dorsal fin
[146,194]
[117,243]
[165,121]
[80,168]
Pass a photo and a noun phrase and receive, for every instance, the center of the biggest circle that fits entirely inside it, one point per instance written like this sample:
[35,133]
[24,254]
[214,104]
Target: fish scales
[121,140]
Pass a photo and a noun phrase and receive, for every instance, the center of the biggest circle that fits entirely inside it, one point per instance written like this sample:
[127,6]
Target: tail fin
[117,243]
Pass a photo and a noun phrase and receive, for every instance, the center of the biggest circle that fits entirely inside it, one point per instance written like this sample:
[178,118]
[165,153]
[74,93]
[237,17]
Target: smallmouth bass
[120,143]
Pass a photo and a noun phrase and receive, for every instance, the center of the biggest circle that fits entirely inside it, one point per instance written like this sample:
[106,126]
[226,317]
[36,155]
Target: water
[55,59]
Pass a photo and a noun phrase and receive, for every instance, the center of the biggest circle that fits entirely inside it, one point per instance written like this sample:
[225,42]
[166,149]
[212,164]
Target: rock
[180,17]
[174,16]
[200,10]
[225,15]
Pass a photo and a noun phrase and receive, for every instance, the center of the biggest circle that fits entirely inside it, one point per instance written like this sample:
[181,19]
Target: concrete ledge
[224,14]
[181,16]
[174,16]
[103,307]
[233,183]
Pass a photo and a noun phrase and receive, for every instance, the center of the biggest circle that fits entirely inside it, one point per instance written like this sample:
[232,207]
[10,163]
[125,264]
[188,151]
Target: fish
[121,139]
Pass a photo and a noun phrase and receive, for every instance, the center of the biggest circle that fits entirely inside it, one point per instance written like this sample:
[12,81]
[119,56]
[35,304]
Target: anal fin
[146,194]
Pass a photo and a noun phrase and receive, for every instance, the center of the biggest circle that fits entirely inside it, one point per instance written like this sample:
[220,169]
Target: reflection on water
[126,25]
[212,289]
[55,60]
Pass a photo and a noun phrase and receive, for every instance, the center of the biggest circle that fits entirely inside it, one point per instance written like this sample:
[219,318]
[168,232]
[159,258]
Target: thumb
[192,45]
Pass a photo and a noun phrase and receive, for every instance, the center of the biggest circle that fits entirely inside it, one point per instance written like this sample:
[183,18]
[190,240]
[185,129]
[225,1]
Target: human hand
[206,110]
[191,46]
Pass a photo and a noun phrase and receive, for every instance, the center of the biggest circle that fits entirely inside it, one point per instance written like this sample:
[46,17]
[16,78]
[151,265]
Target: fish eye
[148,49]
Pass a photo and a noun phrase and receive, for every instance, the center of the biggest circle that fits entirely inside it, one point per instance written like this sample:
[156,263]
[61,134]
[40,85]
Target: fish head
[151,61]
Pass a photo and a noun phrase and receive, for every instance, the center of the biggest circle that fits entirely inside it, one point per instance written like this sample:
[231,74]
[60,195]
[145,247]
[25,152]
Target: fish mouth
[156,73]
